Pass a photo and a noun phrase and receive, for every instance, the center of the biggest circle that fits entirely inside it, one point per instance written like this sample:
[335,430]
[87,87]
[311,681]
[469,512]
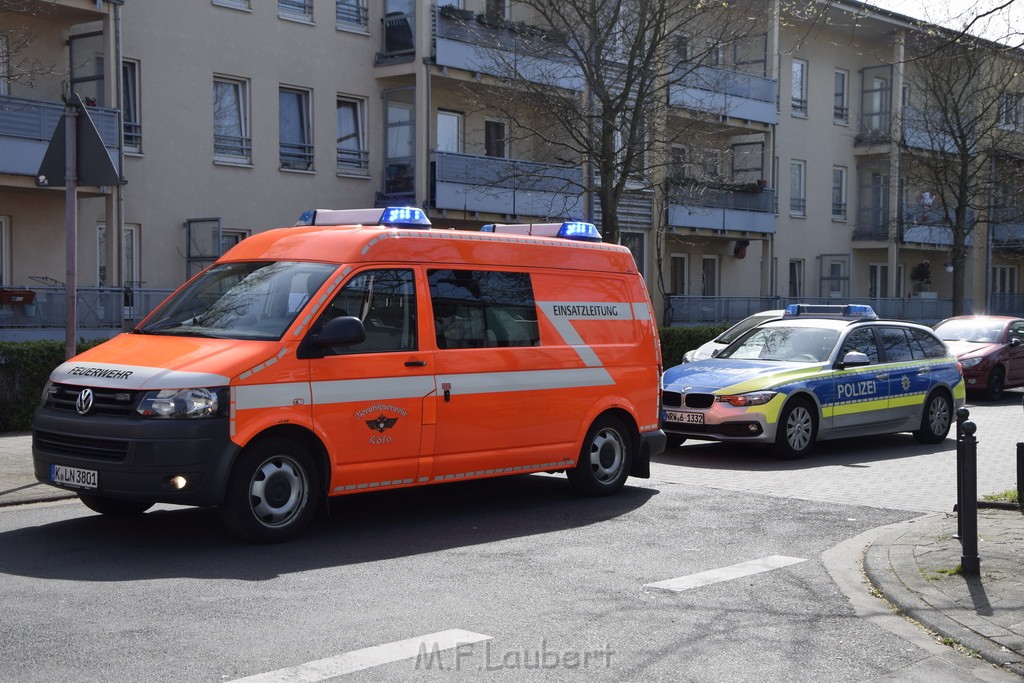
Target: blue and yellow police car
[821,372]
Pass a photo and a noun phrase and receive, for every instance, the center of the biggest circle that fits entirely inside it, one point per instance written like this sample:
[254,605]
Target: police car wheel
[797,429]
[270,496]
[936,419]
[113,507]
[996,383]
[605,458]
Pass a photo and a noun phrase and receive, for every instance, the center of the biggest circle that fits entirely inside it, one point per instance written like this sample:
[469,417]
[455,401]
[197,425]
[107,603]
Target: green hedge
[24,367]
[675,341]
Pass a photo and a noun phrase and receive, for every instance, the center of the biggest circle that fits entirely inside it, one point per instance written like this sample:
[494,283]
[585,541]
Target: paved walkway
[911,565]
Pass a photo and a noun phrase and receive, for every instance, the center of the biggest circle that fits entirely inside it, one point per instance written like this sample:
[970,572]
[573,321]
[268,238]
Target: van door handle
[415,363]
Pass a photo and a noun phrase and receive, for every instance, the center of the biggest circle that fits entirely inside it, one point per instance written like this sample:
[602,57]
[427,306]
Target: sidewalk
[908,565]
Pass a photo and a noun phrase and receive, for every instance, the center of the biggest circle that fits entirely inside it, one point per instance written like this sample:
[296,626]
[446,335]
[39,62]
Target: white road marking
[736,571]
[369,657]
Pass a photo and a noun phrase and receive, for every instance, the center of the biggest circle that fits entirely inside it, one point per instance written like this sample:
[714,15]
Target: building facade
[785,179]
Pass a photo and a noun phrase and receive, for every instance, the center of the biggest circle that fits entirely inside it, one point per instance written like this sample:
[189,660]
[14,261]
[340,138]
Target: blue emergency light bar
[391,217]
[847,311]
[570,230]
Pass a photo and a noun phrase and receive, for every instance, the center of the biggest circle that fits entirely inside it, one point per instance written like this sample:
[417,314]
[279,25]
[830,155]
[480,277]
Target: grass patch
[936,574]
[1008,496]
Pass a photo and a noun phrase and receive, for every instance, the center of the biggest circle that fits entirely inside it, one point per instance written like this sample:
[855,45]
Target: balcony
[723,92]
[1008,230]
[465,182]
[26,127]
[926,130]
[479,44]
[932,224]
[747,208]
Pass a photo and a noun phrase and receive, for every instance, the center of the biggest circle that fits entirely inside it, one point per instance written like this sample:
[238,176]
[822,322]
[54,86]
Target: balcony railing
[296,156]
[97,308]
[743,207]
[683,310]
[506,186]
[399,38]
[1008,229]
[726,92]
[352,14]
[26,127]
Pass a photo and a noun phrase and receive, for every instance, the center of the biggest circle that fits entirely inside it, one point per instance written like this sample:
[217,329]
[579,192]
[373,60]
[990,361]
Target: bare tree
[957,127]
[589,81]
[16,37]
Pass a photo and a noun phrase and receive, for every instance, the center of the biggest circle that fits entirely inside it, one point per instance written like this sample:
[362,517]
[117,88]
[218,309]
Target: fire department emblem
[381,423]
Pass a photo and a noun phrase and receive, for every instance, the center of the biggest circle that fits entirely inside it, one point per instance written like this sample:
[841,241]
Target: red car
[990,348]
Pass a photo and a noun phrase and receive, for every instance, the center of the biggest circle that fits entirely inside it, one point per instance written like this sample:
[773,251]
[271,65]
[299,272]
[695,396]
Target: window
[798,188]
[878,280]
[835,279]
[449,132]
[296,10]
[87,68]
[495,136]
[709,276]
[5,88]
[838,193]
[231,137]
[130,106]
[1004,279]
[799,88]
[385,300]
[677,274]
[863,341]
[5,251]
[796,278]
[637,245]
[897,345]
[1011,110]
[351,14]
[295,127]
[482,309]
[840,104]
[496,8]
[351,120]
[130,272]
[400,131]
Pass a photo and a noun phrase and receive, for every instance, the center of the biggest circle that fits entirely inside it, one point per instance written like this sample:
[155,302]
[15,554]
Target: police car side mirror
[344,330]
[854,359]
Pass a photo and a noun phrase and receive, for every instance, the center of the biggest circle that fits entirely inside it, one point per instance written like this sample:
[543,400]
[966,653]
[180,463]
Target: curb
[891,569]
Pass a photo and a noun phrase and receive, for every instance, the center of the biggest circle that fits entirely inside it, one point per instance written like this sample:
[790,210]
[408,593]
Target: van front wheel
[605,458]
[270,493]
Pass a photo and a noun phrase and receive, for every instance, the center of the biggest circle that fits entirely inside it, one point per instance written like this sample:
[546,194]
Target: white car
[708,349]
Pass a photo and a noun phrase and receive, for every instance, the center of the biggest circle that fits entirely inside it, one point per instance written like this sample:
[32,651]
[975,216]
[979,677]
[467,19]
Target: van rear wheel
[270,495]
[605,458]
[113,507]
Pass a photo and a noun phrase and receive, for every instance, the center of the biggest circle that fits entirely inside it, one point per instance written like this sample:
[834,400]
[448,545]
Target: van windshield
[251,300]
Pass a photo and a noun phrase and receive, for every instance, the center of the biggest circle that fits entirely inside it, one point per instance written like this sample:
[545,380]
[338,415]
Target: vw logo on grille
[84,402]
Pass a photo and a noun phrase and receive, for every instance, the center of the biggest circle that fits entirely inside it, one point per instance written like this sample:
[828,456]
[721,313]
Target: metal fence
[720,310]
[97,308]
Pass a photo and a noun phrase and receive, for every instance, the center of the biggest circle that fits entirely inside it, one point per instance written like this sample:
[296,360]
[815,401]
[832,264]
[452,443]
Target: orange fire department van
[361,351]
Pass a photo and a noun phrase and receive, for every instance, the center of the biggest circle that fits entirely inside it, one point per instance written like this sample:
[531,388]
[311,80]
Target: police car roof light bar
[847,311]
[570,230]
[391,217]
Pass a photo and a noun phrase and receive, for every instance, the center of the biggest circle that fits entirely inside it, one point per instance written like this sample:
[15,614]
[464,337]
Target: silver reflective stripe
[561,314]
[271,395]
[120,376]
[351,390]
[526,380]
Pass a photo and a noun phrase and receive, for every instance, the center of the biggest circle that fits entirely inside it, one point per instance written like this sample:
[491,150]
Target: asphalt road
[549,585]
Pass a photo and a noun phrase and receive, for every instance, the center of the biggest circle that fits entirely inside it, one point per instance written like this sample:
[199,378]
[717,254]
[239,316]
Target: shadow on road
[857,452]
[190,542]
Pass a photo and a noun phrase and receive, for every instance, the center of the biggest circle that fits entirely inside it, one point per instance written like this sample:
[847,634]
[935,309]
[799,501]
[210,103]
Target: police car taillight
[570,230]
[391,217]
[847,311]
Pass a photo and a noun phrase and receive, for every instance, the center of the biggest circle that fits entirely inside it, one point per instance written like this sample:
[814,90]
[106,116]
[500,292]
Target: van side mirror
[854,359]
[344,330]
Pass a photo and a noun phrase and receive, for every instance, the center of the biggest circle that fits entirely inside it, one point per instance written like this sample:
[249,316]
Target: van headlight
[184,403]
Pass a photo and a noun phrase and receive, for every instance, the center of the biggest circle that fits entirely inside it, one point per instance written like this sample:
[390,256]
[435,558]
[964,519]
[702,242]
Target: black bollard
[1020,476]
[970,563]
[961,416]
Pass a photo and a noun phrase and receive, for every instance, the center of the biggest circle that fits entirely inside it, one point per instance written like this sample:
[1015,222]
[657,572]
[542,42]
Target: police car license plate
[688,418]
[73,476]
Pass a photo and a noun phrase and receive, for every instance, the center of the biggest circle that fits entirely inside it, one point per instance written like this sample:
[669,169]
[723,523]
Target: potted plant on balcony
[921,274]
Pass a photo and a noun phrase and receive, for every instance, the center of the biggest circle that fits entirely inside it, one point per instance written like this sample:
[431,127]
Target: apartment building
[228,117]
